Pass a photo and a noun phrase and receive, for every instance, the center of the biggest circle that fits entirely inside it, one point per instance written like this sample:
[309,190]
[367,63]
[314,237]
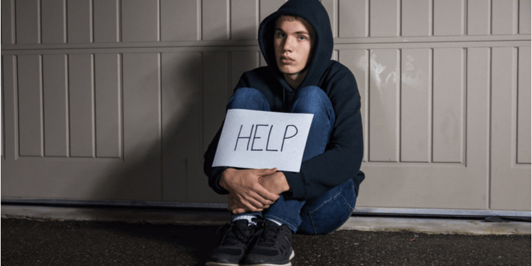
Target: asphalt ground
[51,242]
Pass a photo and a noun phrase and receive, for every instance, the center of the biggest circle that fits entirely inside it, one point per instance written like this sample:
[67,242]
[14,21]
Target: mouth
[286,60]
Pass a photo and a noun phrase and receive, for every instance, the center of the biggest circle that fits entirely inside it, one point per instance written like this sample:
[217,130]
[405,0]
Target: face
[293,41]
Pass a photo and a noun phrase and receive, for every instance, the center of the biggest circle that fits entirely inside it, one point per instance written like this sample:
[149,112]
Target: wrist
[283,182]
[222,182]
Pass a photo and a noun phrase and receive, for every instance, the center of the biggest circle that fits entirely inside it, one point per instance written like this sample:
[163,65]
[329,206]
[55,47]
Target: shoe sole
[269,264]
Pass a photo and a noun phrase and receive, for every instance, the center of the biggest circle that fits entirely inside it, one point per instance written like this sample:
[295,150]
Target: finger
[253,204]
[243,210]
[252,198]
[239,211]
[264,193]
[239,206]
[264,201]
[233,207]
[248,202]
[235,202]
[263,172]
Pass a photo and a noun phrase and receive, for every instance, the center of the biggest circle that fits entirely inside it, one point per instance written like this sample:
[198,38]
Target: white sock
[247,217]
[278,223]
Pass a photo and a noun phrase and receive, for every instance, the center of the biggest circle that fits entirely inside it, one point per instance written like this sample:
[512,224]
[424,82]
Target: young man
[268,206]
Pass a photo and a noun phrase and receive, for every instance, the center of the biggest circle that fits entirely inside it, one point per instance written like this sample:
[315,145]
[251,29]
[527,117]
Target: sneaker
[236,238]
[273,247]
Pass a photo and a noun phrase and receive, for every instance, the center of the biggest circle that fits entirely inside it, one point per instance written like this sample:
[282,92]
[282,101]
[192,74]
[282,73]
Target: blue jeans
[323,214]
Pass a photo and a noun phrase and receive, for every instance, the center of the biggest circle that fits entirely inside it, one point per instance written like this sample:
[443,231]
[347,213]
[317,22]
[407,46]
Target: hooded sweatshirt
[343,156]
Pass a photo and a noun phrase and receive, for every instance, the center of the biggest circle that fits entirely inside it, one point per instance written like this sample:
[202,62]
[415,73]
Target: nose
[288,44]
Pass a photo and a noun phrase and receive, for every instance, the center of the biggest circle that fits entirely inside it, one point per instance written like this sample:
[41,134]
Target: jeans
[323,214]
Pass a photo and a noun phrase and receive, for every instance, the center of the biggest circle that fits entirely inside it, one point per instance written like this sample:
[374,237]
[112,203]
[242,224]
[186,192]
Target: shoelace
[238,234]
[269,236]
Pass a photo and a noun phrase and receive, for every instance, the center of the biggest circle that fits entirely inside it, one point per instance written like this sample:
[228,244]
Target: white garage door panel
[186,26]
[443,126]
[60,151]
[118,100]
[81,103]
[510,186]
[383,105]
[423,186]
[59,144]
[388,22]
[106,26]
[53,22]
[55,91]
[480,10]
[81,179]
[416,18]
[448,17]
[415,105]
[448,101]
[107,94]
[523,106]
[30,95]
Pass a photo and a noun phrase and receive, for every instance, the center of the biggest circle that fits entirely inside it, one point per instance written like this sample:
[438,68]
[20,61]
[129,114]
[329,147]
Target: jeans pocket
[330,215]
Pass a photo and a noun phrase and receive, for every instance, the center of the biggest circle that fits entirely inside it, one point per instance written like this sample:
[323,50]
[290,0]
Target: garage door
[114,102]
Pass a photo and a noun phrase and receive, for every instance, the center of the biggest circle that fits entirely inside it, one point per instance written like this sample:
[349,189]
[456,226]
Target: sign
[260,139]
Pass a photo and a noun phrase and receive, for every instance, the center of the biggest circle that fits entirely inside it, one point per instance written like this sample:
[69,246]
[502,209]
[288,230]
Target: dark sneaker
[273,247]
[236,238]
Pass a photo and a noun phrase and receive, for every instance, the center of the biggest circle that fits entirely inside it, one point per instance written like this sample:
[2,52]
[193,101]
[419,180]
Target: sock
[278,223]
[248,217]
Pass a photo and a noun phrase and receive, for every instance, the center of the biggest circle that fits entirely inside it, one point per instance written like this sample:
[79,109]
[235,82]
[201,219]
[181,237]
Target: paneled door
[117,100]
[447,127]
[104,126]
[428,131]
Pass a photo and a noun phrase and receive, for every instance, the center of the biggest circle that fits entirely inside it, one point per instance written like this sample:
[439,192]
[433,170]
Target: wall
[116,100]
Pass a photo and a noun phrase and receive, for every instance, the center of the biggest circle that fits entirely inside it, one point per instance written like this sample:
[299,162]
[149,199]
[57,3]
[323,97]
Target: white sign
[259,139]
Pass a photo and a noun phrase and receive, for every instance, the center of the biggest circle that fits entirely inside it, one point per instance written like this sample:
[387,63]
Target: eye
[279,34]
[302,38]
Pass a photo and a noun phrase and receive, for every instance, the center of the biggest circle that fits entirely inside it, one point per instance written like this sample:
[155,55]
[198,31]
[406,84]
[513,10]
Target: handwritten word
[253,136]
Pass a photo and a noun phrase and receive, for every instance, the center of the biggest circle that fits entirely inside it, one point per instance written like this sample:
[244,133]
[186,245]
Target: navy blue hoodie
[343,156]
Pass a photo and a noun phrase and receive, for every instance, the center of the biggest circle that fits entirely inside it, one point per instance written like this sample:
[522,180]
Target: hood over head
[315,14]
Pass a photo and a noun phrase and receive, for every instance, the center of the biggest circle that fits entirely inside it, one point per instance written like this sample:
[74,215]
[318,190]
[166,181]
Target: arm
[343,156]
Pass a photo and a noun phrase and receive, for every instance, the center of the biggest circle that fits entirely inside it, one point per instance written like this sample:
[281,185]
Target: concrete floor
[53,242]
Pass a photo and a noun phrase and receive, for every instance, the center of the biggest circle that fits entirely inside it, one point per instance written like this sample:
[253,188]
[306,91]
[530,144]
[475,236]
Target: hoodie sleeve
[342,159]
[214,173]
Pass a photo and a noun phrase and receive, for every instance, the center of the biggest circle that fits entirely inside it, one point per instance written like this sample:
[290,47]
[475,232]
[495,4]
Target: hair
[312,31]
[287,17]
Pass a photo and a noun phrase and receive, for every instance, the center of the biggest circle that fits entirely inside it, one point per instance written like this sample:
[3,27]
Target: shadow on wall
[160,161]
[156,153]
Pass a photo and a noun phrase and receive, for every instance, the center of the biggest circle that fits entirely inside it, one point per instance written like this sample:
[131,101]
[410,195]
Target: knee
[311,93]
[312,100]
[247,92]
[248,98]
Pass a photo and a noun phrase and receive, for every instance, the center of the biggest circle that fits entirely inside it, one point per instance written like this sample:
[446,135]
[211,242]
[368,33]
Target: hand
[275,183]
[246,193]
[236,207]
